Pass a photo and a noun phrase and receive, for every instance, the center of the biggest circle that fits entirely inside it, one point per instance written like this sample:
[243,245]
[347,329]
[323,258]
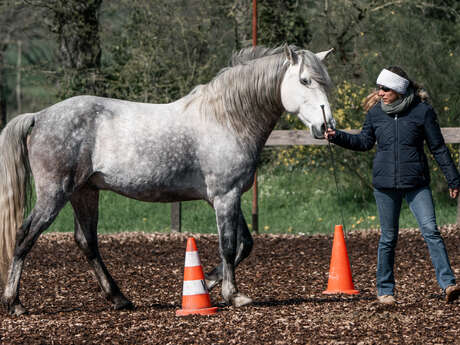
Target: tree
[365,33]
[283,21]
[19,27]
[9,27]
[163,49]
[3,101]
[242,22]
[76,25]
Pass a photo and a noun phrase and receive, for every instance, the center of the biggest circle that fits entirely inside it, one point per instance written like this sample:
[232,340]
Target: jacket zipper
[396,153]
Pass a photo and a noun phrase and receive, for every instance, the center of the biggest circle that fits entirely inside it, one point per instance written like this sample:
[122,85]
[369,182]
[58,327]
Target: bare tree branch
[388,4]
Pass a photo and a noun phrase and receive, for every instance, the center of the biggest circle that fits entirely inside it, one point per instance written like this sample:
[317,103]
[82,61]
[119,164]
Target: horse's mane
[319,73]
[246,95]
[247,54]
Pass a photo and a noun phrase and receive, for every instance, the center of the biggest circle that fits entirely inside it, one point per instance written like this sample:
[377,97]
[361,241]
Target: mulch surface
[285,275]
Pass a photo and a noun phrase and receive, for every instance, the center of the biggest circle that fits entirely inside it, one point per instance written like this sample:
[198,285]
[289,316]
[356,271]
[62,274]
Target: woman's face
[388,96]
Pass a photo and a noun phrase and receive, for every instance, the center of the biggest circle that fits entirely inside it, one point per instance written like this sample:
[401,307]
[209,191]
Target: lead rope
[331,156]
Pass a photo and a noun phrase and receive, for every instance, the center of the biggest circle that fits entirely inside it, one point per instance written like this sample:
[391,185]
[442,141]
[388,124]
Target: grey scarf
[400,104]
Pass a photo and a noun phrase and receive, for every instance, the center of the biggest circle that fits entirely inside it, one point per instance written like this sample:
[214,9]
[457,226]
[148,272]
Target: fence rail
[303,137]
[299,137]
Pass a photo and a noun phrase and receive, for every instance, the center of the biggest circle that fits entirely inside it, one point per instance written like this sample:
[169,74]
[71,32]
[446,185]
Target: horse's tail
[14,182]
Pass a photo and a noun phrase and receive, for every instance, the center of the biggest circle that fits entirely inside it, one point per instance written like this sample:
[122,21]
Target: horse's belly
[146,188]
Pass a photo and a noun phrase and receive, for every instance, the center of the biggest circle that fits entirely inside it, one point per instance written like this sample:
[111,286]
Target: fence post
[458,198]
[255,206]
[255,201]
[176,222]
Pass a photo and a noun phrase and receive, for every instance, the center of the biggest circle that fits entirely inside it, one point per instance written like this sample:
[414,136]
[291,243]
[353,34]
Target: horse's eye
[305,81]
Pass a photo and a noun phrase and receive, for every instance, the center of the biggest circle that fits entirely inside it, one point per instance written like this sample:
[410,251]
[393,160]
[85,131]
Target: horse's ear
[290,55]
[323,55]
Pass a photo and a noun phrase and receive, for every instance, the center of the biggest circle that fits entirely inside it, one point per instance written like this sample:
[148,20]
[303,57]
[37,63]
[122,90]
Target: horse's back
[64,136]
[137,149]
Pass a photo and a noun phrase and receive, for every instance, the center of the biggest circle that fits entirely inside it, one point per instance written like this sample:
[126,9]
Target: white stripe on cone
[194,287]
[192,259]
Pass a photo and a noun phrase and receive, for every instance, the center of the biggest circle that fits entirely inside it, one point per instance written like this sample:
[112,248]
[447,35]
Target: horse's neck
[261,139]
[262,120]
[258,114]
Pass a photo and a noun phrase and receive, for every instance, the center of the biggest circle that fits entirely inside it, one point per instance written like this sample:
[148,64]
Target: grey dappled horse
[204,146]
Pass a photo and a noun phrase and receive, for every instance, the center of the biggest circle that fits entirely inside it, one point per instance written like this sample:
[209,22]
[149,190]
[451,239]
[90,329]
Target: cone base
[348,292]
[202,311]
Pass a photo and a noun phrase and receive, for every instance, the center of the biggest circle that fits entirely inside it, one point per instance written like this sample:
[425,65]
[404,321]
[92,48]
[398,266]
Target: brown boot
[386,299]
[452,293]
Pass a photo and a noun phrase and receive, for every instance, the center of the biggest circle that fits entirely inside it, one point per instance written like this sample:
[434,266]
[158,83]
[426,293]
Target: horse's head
[304,89]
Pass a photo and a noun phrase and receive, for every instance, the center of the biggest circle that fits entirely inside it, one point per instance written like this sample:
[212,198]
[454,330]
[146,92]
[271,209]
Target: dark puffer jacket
[400,161]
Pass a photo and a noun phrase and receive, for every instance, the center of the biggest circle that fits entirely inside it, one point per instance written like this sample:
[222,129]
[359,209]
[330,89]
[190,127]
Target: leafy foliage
[164,49]
[282,21]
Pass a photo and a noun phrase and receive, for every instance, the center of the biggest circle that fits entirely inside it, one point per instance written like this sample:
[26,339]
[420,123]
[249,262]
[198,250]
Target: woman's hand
[453,192]
[330,133]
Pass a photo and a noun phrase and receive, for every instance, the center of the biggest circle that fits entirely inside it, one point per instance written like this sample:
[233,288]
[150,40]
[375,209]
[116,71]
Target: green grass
[289,202]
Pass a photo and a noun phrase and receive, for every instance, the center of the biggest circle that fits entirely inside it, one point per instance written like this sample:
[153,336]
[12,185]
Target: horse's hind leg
[43,214]
[244,246]
[85,205]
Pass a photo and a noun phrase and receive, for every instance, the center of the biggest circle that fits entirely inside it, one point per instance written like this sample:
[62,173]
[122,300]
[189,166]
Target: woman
[400,123]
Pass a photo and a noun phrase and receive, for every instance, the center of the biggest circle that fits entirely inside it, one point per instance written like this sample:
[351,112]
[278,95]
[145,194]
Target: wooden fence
[303,137]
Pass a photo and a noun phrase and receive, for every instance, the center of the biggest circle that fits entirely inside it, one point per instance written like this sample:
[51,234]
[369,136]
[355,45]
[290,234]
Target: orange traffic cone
[340,280]
[195,295]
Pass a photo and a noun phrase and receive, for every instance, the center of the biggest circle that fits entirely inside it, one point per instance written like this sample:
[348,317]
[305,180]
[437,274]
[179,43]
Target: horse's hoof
[211,279]
[211,284]
[17,310]
[124,305]
[239,300]
[121,302]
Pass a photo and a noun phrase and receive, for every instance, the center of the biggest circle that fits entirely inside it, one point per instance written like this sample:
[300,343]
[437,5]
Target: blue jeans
[421,204]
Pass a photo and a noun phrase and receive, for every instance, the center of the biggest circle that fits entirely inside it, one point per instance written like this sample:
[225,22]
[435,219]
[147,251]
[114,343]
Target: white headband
[393,81]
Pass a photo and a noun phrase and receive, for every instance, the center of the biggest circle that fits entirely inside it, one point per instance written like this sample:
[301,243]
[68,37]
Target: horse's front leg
[244,244]
[227,214]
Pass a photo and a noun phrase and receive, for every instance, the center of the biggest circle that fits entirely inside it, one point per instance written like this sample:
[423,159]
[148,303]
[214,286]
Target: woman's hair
[399,71]
[419,90]
[374,97]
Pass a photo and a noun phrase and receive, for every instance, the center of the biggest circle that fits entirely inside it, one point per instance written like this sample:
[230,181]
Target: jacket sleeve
[439,149]
[363,141]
